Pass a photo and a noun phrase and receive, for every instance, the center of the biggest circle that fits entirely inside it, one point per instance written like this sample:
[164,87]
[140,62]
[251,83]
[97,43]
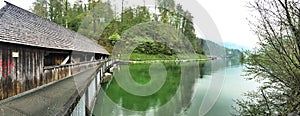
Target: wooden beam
[65,60]
[93,58]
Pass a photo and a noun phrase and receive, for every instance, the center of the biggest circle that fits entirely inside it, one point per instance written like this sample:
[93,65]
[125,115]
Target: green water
[167,89]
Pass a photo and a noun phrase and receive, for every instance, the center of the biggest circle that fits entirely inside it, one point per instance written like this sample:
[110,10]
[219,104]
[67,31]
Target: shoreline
[158,61]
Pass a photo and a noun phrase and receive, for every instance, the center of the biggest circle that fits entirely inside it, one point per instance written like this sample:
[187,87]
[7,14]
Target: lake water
[175,88]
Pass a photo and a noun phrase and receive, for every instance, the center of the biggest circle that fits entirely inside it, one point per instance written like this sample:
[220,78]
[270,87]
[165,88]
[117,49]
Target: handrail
[66,65]
[52,73]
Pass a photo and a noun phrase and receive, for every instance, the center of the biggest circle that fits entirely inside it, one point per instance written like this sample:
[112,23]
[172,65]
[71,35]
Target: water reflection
[182,93]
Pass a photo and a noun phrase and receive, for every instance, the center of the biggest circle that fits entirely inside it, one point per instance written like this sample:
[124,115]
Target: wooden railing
[53,73]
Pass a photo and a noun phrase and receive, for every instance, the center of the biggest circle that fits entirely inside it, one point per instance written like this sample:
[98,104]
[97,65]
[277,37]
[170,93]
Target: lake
[173,88]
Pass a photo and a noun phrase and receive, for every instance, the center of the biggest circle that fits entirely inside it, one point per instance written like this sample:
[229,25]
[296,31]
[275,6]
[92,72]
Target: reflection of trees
[178,103]
[187,83]
[207,69]
[233,62]
[189,73]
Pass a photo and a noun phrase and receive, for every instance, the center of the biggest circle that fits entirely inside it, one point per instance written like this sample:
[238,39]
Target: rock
[111,69]
[106,77]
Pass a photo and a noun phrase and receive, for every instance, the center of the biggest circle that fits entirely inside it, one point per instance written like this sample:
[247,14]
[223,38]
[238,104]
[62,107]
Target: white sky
[229,16]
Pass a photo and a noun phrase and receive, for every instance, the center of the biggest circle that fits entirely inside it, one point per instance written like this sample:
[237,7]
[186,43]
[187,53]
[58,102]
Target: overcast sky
[229,16]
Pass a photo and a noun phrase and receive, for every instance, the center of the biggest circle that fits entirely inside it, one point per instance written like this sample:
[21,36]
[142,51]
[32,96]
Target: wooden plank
[23,70]
[1,76]
[19,71]
[42,63]
[31,78]
[41,67]
[26,65]
[12,72]
[38,67]
[4,66]
[33,69]
[30,69]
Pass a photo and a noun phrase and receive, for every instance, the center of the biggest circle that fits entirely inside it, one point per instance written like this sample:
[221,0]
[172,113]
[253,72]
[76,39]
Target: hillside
[166,34]
[213,49]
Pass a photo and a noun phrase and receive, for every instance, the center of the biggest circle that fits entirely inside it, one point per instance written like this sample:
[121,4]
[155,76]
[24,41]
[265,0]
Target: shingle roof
[23,27]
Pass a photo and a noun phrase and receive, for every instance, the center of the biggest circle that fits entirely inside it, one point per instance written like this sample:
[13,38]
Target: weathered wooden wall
[19,74]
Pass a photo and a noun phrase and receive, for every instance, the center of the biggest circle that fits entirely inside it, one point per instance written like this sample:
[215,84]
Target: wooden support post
[96,85]
[87,104]
[70,72]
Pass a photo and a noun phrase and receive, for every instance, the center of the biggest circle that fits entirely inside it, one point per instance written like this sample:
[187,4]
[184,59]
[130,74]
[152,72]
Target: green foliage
[140,57]
[114,38]
[233,53]
[154,48]
[242,58]
[156,38]
[276,62]
[75,16]
[96,19]
[177,18]
[60,12]
[56,11]
[40,8]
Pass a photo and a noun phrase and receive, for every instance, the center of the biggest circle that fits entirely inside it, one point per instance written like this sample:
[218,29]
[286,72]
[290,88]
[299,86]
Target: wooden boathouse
[35,51]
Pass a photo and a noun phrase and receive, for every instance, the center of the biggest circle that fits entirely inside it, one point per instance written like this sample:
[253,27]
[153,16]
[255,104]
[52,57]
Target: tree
[276,63]
[40,8]
[189,30]
[65,17]
[114,38]
[94,21]
[142,14]
[165,8]
[54,10]
[127,17]
[75,18]
[242,57]
[179,16]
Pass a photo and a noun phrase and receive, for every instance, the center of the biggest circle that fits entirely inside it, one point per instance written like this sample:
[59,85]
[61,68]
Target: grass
[143,57]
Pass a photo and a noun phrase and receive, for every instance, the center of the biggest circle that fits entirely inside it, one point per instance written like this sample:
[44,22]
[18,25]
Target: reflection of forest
[215,65]
[177,105]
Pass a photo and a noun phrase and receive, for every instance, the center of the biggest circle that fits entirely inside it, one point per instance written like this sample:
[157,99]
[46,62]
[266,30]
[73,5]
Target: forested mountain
[213,49]
[98,21]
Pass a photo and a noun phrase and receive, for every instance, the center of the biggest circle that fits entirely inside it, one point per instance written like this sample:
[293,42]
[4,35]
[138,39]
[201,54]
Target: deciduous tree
[276,62]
